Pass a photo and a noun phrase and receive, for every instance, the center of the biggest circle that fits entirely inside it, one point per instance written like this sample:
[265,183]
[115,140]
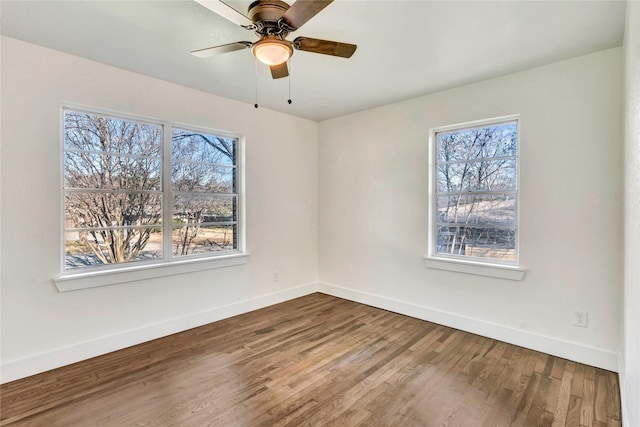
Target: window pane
[481,242]
[203,208]
[105,246]
[109,171]
[202,177]
[486,209]
[478,143]
[99,209]
[195,239]
[486,175]
[201,147]
[92,132]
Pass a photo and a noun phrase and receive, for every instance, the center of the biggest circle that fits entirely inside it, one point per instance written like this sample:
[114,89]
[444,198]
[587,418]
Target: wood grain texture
[317,361]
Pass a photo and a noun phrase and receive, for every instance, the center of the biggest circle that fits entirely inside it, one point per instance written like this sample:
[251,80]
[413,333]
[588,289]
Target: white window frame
[470,265]
[69,280]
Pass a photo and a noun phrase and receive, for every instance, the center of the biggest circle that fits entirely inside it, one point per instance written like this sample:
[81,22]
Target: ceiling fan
[272,21]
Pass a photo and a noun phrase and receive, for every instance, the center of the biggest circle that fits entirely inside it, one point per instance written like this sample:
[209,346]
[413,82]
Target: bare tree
[202,168]
[476,184]
[112,184]
[114,194]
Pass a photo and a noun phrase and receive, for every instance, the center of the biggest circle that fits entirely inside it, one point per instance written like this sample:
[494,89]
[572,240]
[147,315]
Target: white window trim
[70,280]
[134,273]
[478,268]
[475,266]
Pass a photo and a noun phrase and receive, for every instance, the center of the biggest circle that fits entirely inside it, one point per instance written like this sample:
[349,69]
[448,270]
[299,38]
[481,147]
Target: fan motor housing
[267,10]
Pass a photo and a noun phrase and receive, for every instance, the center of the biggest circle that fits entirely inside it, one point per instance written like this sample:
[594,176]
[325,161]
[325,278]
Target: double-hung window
[474,193]
[142,194]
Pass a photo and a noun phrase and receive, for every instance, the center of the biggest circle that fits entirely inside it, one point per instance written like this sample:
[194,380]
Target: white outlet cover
[581,318]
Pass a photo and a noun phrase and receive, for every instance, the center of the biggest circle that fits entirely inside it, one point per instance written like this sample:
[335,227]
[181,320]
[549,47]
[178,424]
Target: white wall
[630,366]
[373,209]
[42,328]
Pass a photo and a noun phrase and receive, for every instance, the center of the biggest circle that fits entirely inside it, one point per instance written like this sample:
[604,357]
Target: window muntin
[116,199]
[475,192]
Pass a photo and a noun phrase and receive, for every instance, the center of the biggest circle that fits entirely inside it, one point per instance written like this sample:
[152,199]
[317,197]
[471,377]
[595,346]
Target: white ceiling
[405,48]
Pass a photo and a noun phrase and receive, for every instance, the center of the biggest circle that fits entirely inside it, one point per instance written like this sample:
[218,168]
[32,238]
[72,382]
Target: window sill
[73,282]
[477,268]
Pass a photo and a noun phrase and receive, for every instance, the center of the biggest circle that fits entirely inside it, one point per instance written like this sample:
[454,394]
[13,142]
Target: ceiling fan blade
[325,47]
[279,71]
[218,50]
[227,12]
[303,10]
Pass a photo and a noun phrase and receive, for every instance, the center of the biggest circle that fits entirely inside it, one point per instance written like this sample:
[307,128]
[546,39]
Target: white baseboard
[20,368]
[554,346]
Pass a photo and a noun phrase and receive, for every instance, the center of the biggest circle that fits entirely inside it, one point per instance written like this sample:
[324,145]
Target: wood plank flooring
[317,361]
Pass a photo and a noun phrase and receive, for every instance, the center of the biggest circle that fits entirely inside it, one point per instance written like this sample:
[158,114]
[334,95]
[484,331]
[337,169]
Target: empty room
[320,213]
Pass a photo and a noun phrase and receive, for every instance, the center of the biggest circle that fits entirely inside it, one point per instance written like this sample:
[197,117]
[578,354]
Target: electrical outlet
[275,276]
[581,318]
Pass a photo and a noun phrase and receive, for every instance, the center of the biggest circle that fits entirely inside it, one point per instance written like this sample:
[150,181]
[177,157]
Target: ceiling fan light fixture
[272,51]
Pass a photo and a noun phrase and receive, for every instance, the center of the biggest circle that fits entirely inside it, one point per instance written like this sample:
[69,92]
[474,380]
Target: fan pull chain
[256,77]
[289,78]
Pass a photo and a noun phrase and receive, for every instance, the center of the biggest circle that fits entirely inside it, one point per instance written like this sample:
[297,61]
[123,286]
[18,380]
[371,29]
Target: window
[474,201]
[141,193]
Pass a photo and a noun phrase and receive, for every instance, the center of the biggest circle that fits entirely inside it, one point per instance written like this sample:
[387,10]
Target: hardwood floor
[317,361]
